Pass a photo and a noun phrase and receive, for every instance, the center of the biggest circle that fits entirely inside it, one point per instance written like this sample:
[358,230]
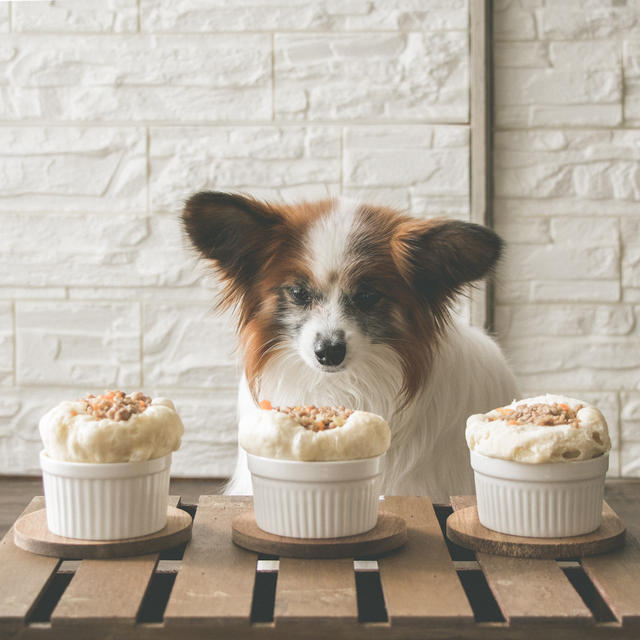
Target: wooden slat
[616,576]
[215,583]
[29,576]
[529,590]
[319,591]
[419,581]
[107,590]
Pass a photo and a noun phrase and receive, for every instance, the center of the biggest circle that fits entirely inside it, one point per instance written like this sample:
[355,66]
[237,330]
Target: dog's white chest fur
[428,453]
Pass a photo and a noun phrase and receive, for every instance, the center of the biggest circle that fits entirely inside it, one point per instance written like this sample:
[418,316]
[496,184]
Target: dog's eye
[300,295]
[366,299]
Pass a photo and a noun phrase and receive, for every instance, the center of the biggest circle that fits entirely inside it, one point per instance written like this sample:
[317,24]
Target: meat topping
[116,405]
[314,418]
[546,415]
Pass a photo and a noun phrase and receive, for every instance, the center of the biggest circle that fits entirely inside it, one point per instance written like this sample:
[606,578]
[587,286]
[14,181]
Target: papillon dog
[341,303]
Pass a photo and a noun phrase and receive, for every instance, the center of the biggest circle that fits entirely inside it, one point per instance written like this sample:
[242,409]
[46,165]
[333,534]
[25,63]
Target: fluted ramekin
[105,501]
[316,499]
[549,500]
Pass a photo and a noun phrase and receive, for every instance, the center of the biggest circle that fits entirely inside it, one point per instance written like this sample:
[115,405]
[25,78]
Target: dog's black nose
[330,351]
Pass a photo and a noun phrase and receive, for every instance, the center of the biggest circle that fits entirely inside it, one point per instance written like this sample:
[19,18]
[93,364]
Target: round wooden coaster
[389,533]
[464,528]
[31,533]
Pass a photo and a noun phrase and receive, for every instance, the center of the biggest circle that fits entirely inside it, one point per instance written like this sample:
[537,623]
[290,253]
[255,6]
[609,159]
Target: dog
[341,303]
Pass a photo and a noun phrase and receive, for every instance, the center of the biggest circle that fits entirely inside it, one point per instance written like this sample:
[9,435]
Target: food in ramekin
[316,471]
[106,463]
[539,466]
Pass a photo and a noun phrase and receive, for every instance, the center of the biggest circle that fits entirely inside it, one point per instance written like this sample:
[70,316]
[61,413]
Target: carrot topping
[266,405]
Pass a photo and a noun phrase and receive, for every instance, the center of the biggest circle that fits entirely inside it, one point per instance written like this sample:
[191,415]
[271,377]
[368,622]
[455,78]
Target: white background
[111,113]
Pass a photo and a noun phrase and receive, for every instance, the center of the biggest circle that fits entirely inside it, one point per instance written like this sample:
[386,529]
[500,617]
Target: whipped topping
[524,432]
[74,431]
[276,434]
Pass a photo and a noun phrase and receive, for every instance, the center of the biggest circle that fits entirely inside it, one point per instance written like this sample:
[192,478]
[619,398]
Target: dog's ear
[232,230]
[437,257]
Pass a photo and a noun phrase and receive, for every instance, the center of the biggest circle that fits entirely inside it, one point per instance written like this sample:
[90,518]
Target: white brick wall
[112,112]
[567,185]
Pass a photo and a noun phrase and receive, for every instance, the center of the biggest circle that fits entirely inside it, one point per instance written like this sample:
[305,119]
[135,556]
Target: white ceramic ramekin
[315,499]
[548,500]
[108,501]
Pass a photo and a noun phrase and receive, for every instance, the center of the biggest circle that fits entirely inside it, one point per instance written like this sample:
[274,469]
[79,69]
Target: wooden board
[464,529]
[31,534]
[29,576]
[316,591]
[615,576]
[419,582]
[215,582]
[389,533]
[108,591]
[545,595]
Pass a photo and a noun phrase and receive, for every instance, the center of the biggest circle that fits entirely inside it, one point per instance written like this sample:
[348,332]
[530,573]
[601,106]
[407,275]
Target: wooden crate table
[214,589]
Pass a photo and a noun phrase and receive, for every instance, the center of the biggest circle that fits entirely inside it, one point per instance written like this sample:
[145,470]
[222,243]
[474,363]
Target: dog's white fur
[428,453]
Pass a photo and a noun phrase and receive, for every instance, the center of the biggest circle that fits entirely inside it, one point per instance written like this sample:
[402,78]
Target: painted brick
[112,16]
[596,165]
[533,54]
[208,446]
[585,231]
[630,406]
[583,379]
[583,23]
[563,206]
[188,345]
[135,78]
[4,17]
[630,459]
[630,430]
[432,163]
[564,320]
[631,266]
[576,115]
[514,24]
[115,250]
[72,169]
[6,344]
[575,291]
[558,86]
[517,230]
[197,293]
[558,354]
[78,343]
[28,293]
[630,230]
[390,77]
[631,100]
[549,262]
[20,411]
[299,15]
[631,58]
[523,116]
[587,54]
[508,291]
[188,159]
